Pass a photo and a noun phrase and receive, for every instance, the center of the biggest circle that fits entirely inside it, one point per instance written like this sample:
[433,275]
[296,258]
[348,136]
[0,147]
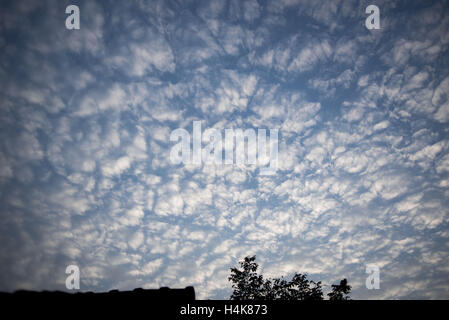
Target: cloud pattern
[86,115]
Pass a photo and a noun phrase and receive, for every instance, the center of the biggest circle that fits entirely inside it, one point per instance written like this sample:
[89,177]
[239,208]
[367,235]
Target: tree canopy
[249,285]
[340,291]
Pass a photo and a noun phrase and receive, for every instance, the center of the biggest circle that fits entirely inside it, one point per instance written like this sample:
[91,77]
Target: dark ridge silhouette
[150,296]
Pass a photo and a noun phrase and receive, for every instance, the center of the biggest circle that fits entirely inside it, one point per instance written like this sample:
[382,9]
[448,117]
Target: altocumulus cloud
[86,115]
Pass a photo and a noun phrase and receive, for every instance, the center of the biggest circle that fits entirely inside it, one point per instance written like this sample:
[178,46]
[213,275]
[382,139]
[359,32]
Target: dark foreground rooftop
[149,295]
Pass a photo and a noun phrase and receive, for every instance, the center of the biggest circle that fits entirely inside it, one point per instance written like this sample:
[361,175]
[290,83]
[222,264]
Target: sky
[363,162]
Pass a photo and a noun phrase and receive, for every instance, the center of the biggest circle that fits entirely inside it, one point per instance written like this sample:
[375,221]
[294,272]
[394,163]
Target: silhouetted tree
[340,291]
[248,285]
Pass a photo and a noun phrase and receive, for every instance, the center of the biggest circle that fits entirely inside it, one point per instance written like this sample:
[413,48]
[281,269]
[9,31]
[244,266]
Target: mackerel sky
[86,117]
